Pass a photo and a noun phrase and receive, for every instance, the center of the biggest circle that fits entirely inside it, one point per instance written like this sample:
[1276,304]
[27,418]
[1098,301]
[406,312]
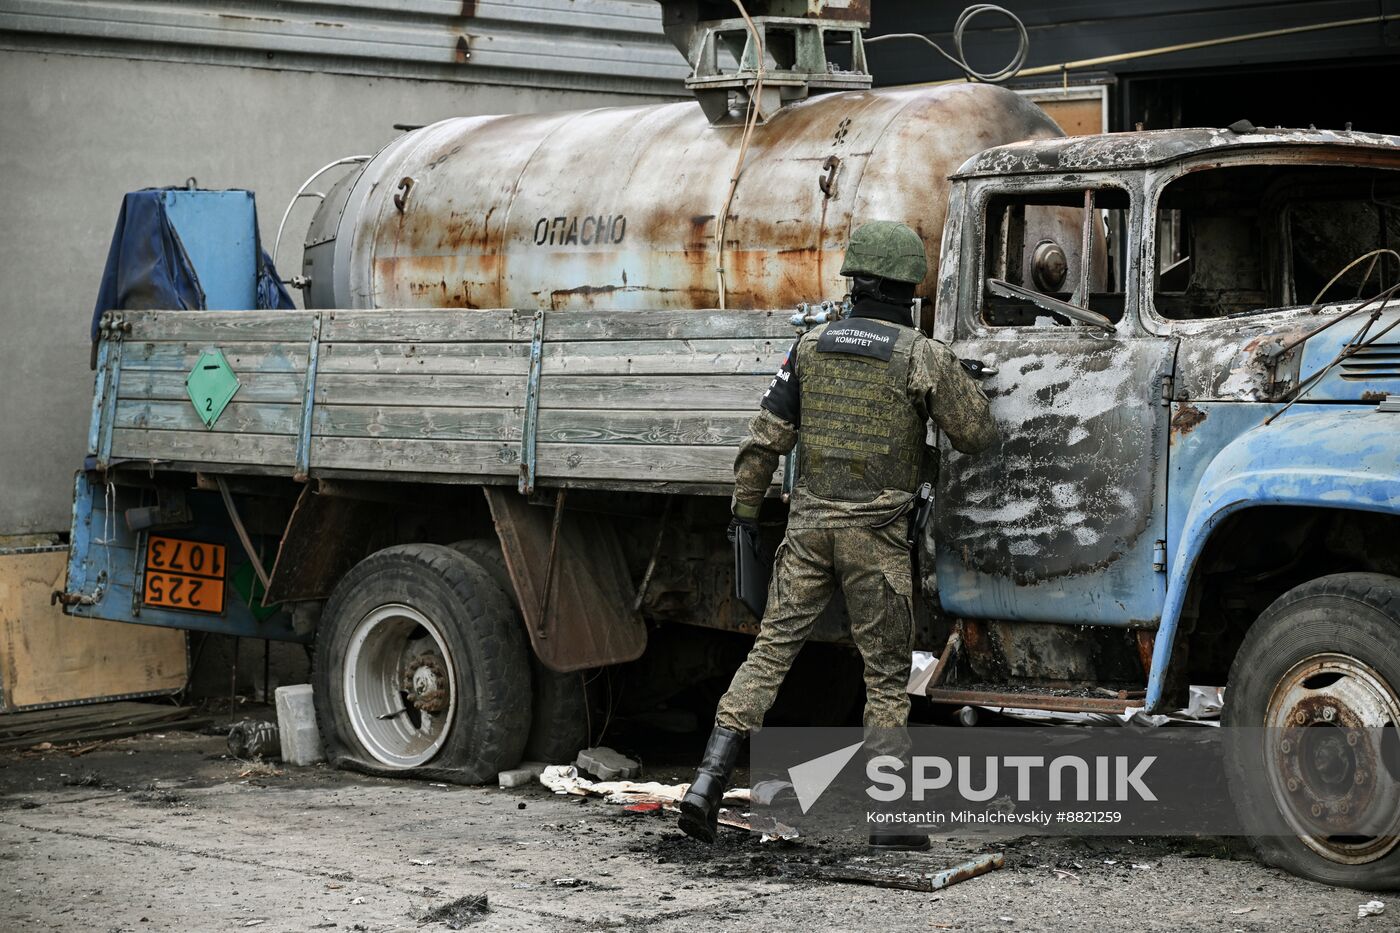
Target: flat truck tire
[421,669]
[559,721]
[1320,670]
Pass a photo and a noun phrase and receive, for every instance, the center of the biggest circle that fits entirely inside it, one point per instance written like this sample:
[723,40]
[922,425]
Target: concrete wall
[78,132]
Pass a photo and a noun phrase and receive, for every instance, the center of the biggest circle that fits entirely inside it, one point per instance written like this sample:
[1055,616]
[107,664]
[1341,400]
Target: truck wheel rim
[400,686]
[1327,719]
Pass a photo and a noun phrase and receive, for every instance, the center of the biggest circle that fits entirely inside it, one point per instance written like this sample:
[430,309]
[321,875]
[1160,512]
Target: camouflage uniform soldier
[860,392]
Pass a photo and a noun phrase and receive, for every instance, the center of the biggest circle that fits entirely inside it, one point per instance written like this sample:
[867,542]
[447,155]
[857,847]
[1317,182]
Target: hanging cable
[959,59]
[1381,19]
[750,120]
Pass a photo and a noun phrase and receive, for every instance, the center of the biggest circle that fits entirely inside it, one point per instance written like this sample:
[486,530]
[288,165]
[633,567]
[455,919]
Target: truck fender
[1336,458]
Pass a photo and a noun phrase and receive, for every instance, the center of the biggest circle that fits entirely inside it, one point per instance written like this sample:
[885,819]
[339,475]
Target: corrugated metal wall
[588,45]
[103,97]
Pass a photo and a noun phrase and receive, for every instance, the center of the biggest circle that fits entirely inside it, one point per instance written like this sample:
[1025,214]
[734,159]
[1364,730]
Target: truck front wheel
[1314,767]
[421,668]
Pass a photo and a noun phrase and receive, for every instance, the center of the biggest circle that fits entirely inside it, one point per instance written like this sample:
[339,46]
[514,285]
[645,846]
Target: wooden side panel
[670,325]
[426,326]
[216,327]
[455,325]
[751,356]
[210,447]
[179,415]
[609,393]
[267,350]
[47,657]
[639,395]
[155,385]
[244,358]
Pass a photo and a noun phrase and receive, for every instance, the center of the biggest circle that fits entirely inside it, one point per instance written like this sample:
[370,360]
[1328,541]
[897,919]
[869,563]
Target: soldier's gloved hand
[735,523]
[978,369]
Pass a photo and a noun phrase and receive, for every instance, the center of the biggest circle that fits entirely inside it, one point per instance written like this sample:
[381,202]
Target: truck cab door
[1062,520]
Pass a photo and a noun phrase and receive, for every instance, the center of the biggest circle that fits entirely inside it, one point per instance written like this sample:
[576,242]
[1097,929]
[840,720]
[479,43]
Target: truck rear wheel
[421,668]
[1319,672]
[559,725]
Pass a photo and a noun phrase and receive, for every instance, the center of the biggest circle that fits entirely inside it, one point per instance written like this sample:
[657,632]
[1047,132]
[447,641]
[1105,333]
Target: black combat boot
[700,805]
[891,743]
[898,842]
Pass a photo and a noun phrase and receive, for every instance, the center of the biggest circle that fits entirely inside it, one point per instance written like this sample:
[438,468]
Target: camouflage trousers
[872,567]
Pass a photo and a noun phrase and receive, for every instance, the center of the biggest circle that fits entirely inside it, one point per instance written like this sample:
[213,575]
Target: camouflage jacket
[939,389]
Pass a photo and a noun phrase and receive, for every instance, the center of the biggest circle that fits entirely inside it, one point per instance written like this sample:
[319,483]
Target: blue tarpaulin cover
[272,294]
[148,268]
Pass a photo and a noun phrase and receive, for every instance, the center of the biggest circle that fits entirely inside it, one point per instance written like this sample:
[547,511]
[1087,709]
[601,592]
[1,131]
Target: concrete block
[607,765]
[296,724]
[527,773]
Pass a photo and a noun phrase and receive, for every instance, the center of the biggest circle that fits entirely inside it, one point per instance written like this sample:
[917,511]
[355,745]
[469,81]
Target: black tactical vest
[860,434]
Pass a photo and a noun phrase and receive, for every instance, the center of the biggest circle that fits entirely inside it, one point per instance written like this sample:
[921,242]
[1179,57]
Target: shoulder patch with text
[860,336]
[784,395]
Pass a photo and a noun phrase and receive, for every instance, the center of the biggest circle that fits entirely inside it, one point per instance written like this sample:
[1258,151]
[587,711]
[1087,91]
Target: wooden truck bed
[633,399]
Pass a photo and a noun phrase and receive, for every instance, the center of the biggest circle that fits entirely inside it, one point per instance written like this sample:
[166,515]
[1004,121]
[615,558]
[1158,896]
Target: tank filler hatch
[803,45]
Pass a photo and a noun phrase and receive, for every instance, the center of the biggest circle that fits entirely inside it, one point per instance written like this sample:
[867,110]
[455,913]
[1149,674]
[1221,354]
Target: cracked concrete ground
[168,833]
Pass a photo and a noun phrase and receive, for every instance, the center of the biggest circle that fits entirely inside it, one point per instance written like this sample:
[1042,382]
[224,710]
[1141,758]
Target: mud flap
[588,619]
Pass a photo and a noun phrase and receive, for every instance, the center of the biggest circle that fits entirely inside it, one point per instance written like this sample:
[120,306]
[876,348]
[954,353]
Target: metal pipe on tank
[616,208]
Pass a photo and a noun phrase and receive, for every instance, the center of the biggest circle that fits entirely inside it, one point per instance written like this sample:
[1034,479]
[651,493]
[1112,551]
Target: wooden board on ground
[97,722]
[47,658]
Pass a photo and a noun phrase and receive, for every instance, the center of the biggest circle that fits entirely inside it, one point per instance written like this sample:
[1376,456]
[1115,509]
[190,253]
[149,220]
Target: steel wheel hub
[1327,720]
[400,686]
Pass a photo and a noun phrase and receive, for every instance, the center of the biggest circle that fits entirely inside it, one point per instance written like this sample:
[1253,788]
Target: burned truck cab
[1198,477]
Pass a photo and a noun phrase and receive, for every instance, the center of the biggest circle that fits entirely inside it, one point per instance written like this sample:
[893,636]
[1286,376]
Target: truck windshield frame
[1280,287]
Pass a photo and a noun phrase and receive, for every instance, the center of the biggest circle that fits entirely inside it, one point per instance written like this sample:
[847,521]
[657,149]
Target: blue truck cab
[1198,479]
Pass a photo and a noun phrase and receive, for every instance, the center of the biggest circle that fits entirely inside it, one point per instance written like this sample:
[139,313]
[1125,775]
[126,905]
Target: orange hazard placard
[184,574]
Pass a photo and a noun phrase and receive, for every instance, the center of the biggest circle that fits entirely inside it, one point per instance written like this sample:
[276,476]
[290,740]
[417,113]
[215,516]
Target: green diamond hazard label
[211,384]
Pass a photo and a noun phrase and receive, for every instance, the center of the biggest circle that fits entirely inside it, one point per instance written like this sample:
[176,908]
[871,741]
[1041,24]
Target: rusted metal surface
[1146,641]
[907,880]
[693,582]
[1054,702]
[940,668]
[588,619]
[968,870]
[1042,653]
[615,208]
[1327,721]
[1185,418]
[325,537]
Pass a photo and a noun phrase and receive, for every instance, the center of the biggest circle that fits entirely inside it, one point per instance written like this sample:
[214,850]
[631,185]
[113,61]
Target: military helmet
[886,250]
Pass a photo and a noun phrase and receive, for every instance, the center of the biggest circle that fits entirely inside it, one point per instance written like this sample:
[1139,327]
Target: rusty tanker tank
[616,208]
